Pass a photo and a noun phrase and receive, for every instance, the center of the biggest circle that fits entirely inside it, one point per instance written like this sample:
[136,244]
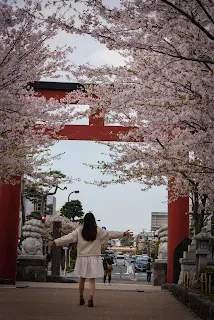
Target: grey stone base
[159,272]
[188,265]
[204,308]
[31,270]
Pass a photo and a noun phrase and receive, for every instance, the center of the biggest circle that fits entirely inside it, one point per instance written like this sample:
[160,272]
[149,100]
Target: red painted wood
[9,223]
[86,132]
[96,119]
[56,94]
[178,228]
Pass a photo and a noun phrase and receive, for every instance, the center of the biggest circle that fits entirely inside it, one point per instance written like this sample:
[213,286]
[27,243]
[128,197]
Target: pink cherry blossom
[26,57]
[68,226]
[164,89]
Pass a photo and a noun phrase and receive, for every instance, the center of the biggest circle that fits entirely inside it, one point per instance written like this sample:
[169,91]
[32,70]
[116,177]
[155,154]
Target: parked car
[141,263]
[120,260]
[133,259]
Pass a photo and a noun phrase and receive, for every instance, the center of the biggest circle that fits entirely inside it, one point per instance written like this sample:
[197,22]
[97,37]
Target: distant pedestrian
[107,266]
[149,270]
[89,238]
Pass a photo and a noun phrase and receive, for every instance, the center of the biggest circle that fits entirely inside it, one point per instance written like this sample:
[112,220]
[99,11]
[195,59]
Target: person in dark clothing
[149,270]
[107,266]
[48,256]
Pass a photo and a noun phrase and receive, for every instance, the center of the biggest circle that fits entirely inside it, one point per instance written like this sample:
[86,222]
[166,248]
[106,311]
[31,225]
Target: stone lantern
[203,252]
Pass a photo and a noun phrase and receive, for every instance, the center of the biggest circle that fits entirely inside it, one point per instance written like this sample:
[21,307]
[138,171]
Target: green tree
[155,248]
[126,242]
[73,210]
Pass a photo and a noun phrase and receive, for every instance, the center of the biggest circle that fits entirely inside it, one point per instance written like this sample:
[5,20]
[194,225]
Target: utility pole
[76,191]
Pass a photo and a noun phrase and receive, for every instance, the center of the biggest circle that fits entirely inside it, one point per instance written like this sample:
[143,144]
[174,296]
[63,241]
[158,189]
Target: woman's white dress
[89,267]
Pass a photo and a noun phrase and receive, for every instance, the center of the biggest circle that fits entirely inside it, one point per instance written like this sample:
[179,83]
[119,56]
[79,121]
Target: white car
[120,260]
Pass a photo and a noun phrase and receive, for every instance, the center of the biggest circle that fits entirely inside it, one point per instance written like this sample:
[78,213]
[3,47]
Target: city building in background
[158,219]
[50,205]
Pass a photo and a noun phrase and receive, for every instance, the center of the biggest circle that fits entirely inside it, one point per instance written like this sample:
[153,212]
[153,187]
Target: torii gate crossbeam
[178,220]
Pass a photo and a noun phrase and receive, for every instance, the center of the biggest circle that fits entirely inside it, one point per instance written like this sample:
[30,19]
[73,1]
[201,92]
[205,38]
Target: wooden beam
[93,133]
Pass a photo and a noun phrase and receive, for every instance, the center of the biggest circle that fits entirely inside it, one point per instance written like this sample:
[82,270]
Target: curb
[60,279]
[194,301]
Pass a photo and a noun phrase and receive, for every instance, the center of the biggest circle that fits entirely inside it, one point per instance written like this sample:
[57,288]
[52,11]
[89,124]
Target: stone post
[160,264]
[56,252]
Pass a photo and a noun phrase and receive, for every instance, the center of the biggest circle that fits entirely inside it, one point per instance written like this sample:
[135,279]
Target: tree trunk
[44,197]
[197,228]
[199,223]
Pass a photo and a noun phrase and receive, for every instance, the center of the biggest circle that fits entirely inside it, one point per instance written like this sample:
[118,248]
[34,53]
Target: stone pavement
[59,302]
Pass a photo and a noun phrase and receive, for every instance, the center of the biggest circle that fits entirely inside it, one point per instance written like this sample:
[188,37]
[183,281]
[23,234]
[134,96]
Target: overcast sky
[119,207]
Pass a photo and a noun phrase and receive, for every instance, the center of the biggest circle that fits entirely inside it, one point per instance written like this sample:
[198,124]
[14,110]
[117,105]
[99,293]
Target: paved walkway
[52,303]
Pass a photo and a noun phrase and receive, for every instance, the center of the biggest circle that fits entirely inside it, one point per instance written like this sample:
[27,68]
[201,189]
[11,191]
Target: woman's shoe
[90,303]
[82,301]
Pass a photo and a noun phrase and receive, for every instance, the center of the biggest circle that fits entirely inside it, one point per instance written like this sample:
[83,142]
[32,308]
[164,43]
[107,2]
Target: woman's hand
[128,233]
[51,244]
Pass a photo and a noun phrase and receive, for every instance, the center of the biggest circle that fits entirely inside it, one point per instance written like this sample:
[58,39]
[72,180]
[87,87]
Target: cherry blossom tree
[67,225]
[164,91]
[25,116]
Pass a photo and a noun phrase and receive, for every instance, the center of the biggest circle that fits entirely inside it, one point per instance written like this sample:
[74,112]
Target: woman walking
[89,263]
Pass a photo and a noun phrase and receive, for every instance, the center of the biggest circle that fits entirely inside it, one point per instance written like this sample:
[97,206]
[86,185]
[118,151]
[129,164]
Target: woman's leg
[81,286]
[92,291]
[91,287]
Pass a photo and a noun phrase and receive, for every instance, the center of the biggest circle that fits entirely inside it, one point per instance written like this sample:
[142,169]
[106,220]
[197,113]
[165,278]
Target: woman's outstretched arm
[69,238]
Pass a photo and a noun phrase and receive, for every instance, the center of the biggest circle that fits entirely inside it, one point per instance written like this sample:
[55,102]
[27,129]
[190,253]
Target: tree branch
[160,143]
[182,12]
[205,11]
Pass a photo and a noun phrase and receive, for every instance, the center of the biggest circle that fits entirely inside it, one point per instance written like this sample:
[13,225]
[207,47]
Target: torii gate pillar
[178,220]
[9,226]
[178,228]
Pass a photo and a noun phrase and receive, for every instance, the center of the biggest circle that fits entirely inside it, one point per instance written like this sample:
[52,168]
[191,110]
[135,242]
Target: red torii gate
[178,220]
